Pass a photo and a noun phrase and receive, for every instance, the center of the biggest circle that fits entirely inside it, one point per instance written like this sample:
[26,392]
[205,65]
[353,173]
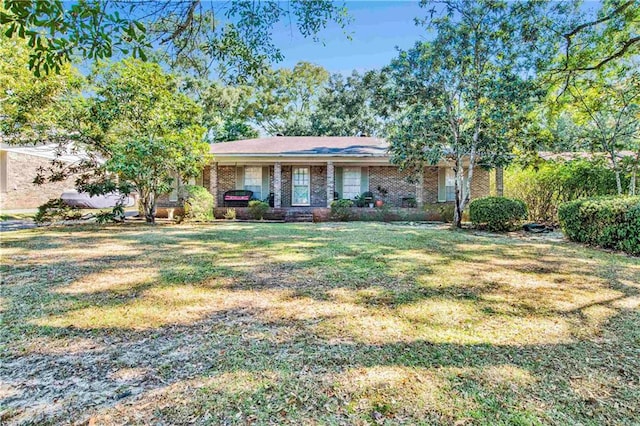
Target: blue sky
[377,28]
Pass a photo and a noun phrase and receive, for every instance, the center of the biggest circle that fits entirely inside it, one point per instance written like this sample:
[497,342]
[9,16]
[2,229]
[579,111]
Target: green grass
[356,323]
[15,216]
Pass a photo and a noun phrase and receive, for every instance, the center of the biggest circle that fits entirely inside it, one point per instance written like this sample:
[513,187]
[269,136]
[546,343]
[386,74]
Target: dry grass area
[358,323]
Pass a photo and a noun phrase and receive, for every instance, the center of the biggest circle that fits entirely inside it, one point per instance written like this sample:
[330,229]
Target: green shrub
[257,209]
[341,210]
[447,212]
[56,210]
[609,222]
[544,187]
[198,203]
[230,214]
[497,213]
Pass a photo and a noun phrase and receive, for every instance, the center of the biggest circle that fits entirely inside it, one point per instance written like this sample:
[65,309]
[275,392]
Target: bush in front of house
[341,210]
[56,210]
[497,213]
[545,186]
[198,203]
[608,222]
[257,209]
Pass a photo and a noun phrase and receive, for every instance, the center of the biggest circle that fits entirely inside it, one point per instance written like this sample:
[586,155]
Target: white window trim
[244,178]
[359,172]
[293,185]
[449,174]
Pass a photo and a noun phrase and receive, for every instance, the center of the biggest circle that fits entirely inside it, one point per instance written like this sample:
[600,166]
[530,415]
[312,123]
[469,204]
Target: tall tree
[348,106]
[606,105]
[463,94]
[284,98]
[228,110]
[611,35]
[234,36]
[29,107]
[150,132]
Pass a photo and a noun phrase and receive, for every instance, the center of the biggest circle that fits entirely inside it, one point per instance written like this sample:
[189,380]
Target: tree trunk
[148,200]
[459,190]
[634,175]
[616,170]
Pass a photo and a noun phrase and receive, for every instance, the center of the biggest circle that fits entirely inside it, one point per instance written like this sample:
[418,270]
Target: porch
[318,184]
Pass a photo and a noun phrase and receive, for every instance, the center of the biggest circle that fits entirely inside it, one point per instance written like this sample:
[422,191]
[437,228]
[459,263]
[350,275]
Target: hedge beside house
[497,213]
[609,222]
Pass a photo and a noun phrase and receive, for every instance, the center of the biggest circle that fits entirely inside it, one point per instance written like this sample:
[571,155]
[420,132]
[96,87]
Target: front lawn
[357,323]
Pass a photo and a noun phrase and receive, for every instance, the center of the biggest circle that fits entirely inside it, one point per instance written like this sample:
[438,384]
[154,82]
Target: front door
[301,190]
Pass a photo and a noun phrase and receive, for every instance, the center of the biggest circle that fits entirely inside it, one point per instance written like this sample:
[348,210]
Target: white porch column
[277,185]
[330,182]
[420,189]
[213,183]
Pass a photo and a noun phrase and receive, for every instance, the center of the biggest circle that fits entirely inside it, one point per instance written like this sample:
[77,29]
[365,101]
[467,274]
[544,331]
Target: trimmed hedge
[608,222]
[198,203]
[497,213]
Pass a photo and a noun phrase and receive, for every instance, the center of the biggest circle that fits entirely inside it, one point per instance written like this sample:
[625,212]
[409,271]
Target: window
[253,181]
[301,191]
[450,182]
[351,182]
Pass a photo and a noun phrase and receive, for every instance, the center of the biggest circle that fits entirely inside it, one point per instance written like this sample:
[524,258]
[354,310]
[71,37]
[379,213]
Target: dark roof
[304,145]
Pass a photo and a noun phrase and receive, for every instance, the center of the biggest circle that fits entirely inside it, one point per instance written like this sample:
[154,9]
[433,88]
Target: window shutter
[240,177]
[442,181]
[265,182]
[338,183]
[364,180]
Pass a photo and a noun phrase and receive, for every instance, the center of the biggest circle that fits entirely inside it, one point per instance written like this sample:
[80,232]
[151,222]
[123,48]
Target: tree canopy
[235,37]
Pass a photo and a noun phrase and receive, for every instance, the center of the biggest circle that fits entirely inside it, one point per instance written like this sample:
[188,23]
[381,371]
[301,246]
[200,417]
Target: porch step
[298,216]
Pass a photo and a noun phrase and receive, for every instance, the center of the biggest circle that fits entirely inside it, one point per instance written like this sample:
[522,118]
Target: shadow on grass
[325,311]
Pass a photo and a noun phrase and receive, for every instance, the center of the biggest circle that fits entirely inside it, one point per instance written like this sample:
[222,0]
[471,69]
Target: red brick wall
[21,192]
[318,186]
[480,183]
[226,182]
[388,177]
[394,180]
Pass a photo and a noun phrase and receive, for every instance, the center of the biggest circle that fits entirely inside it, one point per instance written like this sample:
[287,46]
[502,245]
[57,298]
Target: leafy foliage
[230,214]
[284,98]
[497,213]
[349,106]
[236,37]
[56,210]
[147,130]
[257,209]
[609,222]
[546,185]
[30,106]
[341,210]
[114,215]
[198,203]
[464,95]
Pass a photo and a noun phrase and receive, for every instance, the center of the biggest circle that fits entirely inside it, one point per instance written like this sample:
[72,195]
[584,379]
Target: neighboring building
[310,172]
[18,168]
